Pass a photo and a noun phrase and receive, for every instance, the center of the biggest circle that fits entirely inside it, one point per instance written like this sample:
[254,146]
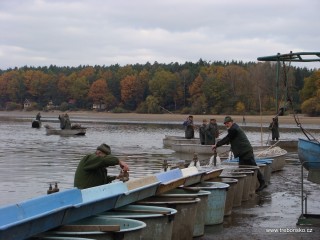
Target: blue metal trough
[28,218]
[138,189]
[95,200]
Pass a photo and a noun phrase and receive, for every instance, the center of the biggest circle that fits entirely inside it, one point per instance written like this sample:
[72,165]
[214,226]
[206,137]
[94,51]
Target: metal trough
[169,180]
[211,174]
[192,175]
[95,200]
[25,219]
[138,189]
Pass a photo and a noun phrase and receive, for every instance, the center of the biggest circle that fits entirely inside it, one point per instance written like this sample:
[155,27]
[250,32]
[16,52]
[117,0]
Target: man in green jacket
[240,146]
[92,171]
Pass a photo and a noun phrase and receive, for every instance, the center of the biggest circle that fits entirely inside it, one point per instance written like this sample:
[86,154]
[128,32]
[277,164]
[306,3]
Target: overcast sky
[105,32]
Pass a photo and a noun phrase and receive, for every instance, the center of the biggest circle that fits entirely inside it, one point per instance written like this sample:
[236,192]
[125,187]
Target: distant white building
[26,104]
[50,105]
[99,106]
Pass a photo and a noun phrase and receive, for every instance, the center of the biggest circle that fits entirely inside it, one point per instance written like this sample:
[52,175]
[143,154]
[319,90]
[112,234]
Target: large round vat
[184,220]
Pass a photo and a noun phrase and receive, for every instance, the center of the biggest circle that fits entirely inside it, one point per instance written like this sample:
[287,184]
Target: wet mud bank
[274,212]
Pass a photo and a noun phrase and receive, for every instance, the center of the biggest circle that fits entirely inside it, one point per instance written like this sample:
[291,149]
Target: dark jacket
[240,144]
[92,171]
[274,127]
[202,133]
[211,133]
[189,129]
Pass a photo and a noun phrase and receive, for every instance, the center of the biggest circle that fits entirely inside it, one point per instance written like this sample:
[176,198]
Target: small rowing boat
[169,140]
[78,131]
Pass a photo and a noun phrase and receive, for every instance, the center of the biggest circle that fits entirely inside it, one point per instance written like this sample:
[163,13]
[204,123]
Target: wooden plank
[89,228]
[144,211]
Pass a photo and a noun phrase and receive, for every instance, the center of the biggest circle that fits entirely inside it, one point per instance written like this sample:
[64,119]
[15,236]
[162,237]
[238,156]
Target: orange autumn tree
[195,88]
[132,91]
[11,87]
[36,82]
[197,98]
[100,94]
[87,73]
[98,91]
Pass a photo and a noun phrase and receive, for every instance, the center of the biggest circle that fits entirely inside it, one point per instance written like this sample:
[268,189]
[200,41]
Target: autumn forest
[190,88]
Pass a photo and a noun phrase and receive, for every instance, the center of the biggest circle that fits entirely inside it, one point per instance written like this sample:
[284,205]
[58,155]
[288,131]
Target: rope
[305,132]
[308,135]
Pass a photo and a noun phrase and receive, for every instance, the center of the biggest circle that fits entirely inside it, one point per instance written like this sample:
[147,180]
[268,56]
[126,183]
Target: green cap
[104,148]
[228,119]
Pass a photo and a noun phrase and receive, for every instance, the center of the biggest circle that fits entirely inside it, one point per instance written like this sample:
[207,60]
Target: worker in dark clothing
[202,132]
[212,132]
[241,147]
[189,127]
[274,127]
[38,117]
[65,122]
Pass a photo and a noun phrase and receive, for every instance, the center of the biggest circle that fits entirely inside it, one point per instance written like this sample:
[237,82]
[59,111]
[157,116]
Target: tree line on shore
[194,88]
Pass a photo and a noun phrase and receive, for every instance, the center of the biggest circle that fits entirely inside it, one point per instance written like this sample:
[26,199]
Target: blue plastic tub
[216,201]
[201,209]
[231,193]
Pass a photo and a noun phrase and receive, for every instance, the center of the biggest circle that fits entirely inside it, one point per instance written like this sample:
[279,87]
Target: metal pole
[277,83]
[302,189]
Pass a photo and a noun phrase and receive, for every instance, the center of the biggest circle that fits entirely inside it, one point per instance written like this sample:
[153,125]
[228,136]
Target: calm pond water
[30,159]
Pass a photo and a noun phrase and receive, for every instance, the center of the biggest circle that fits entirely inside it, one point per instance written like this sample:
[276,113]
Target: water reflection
[30,159]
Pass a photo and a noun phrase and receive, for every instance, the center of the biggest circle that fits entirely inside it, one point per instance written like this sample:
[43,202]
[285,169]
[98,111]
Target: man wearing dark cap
[240,146]
[92,171]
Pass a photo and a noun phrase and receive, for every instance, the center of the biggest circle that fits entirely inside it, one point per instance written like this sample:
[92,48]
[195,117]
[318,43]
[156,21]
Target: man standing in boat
[202,132]
[92,171]
[240,146]
[65,122]
[38,117]
[212,132]
[189,127]
[274,127]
